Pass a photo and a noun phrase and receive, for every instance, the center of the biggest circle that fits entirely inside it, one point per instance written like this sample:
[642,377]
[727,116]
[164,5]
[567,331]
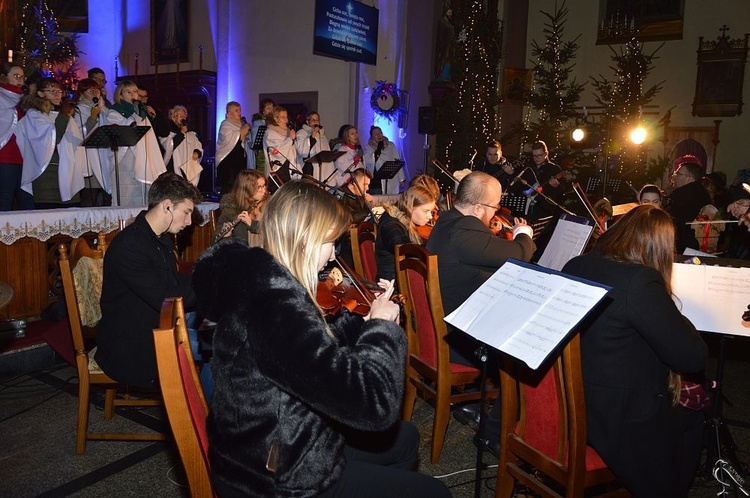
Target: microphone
[378,151]
[317,126]
[25,90]
[95,100]
[518,177]
[244,120]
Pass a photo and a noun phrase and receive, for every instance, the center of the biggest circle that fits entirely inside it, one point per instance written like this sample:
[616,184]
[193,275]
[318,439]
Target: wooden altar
[29,240]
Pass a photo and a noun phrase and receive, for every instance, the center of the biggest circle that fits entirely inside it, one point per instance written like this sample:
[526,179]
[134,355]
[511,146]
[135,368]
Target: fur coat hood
[282,381]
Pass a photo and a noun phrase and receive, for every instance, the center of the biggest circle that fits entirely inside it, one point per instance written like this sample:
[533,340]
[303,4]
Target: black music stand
[113,137]
[258,143]
[324,156]
[387,171]
[515,202]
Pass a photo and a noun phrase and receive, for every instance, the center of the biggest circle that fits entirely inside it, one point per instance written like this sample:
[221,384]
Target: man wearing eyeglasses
[685,202]
[97,74]
[468,254]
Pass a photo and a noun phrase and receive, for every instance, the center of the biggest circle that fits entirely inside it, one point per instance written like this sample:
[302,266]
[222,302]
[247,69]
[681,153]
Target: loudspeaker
[427,117]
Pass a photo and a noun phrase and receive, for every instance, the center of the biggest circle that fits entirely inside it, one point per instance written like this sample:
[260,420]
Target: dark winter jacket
[282,380]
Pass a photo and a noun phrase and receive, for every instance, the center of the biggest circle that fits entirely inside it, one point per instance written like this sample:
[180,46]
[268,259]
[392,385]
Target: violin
[501,223]
[343,289]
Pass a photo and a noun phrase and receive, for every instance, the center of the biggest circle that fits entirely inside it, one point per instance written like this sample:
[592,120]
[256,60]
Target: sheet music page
[713,298]
[525,312]
[541,335]
[567,242]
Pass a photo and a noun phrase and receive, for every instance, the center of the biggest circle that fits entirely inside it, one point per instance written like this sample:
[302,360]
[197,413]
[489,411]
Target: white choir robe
[8,114]
[323,171]
[346,163]
[95,161]
[183,155]
[138,166]
[389,153]
[283,150]
[36,138]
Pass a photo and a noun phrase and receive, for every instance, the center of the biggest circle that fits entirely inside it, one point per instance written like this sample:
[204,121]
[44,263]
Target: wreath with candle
[386,100]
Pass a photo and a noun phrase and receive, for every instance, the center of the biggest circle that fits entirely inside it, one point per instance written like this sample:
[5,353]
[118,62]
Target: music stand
[258,143]
[326,156]
[113,137]
[387,171]
[515,202]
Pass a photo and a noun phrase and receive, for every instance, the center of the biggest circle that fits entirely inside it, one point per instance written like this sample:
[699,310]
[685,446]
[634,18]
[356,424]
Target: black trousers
[379,465]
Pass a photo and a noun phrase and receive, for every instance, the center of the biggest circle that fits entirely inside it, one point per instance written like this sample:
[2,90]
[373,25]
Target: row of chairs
[543,423]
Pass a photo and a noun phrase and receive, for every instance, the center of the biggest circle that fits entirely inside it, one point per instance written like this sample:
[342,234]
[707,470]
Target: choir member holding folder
[632,349]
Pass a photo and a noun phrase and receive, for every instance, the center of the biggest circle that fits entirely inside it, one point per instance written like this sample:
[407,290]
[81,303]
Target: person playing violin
[398,225]
[496,165]
[302,407]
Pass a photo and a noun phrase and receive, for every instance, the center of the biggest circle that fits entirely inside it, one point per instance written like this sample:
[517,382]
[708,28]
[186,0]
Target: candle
[10,56]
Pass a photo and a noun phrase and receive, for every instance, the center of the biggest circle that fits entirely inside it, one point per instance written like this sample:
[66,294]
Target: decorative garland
[386,100]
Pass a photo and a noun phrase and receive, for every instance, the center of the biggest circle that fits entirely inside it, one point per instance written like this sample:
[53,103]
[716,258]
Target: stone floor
[37,454]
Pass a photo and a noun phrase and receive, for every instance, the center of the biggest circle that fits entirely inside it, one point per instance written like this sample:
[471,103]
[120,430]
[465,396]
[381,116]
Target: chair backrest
[173,316]
[363,250]
[183,400]
[417,274]
[91,260]
[546,410]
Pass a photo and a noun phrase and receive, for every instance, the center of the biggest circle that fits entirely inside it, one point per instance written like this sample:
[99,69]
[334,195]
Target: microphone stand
[546,197]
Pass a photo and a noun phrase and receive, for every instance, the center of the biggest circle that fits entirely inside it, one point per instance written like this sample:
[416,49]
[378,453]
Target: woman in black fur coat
[302,407]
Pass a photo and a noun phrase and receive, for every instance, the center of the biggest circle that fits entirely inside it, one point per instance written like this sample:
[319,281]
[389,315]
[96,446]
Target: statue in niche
[445,46]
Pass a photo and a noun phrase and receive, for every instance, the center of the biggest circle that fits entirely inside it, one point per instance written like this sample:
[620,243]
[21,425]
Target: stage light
[578,134]
[638,135]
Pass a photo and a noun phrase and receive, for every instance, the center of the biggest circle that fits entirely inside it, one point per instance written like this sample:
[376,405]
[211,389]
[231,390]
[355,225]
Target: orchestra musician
[242,208]
[303,407]
[468,254]
[541,175]
[628,353]
[496,165]
[358,204]
[398,225]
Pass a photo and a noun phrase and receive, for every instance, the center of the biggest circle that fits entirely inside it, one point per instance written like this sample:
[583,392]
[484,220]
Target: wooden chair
[363,250]
[88,371]
[429,369]
[183,396]
[543,427]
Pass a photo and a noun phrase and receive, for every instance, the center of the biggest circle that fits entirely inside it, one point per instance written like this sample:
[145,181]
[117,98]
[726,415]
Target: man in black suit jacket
[687,199]
[468,254]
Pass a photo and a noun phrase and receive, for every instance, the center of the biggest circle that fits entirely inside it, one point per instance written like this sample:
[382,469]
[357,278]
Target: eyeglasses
[496,208]
[16,76]
[53,92]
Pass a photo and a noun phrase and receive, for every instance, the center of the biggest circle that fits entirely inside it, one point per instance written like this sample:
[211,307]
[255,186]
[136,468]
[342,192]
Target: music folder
[325,156]
[526,311]
[114,136]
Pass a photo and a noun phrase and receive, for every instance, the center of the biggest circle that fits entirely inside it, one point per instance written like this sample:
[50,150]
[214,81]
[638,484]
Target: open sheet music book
[525,310]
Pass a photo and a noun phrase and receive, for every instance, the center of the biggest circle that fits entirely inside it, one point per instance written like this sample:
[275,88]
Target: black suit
[627,349]
[468,254]
[684,205]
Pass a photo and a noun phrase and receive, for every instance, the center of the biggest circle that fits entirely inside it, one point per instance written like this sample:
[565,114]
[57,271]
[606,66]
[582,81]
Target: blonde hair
[121,88]
[296,223]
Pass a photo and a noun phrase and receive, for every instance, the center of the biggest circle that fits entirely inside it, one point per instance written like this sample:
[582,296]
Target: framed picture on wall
[516,85]
[170,30]
[720,78]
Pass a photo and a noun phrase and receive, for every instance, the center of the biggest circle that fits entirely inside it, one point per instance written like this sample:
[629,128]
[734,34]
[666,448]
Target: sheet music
[713,298]
[568,240]
[525,311]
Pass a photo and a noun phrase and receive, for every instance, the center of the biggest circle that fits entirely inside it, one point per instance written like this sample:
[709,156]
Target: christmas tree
[623,99]
[472,114]
[44,49]
[555,96]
